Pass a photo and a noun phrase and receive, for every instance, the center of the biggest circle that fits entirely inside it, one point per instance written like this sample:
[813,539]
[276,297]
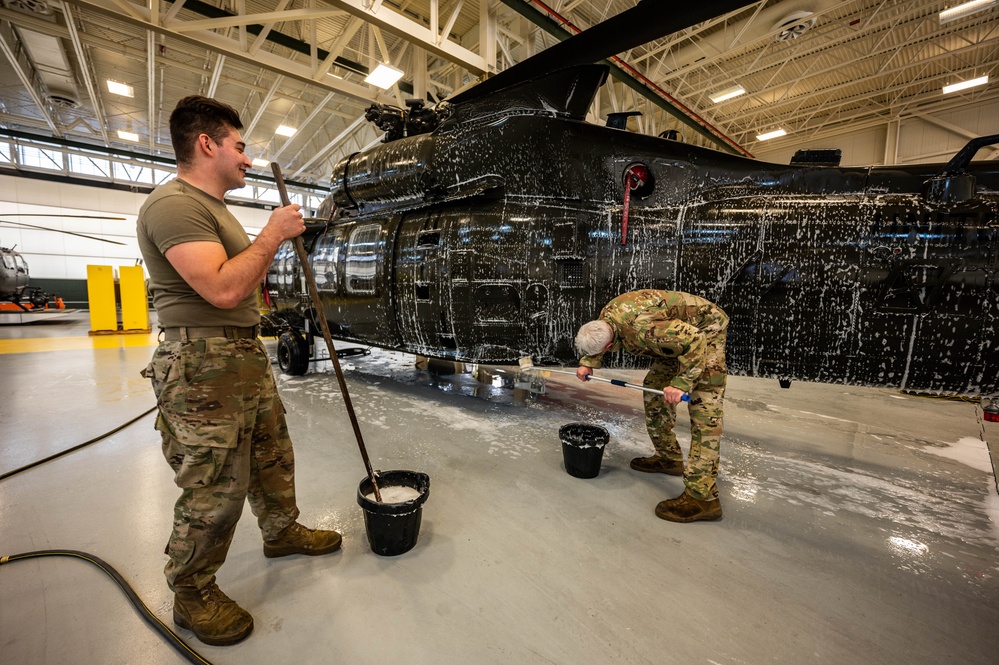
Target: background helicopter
[490,227]
[17,296]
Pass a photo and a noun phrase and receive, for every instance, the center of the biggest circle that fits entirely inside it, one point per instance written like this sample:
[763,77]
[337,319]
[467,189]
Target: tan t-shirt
[175,213]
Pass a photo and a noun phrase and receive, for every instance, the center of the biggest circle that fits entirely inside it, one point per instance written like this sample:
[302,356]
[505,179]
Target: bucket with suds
[583,448]
[393,524]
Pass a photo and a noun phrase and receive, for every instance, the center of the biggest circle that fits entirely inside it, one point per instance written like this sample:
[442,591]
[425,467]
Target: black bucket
[583,448]
[393,528]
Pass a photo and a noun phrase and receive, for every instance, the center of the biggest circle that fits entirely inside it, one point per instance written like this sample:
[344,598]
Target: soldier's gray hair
[593,336]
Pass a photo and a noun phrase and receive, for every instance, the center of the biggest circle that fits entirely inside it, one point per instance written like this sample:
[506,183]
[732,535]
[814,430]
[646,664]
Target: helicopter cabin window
[362,260]
[22,265]
[428,238]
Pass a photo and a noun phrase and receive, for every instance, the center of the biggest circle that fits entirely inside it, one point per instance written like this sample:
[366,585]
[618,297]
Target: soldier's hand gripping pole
[317,307]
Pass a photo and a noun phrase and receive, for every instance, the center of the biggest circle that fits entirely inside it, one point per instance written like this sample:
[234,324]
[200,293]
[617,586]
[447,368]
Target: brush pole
[317,307]
[616,382]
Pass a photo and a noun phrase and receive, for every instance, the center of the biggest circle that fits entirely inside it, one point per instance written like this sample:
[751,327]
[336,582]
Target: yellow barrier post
[134,303]
[100,293]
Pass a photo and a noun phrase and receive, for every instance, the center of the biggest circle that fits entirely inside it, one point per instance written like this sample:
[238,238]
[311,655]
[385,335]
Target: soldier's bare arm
[225,282]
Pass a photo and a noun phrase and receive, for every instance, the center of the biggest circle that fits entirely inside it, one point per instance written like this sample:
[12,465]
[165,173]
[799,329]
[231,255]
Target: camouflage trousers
[224,435]
[700,472]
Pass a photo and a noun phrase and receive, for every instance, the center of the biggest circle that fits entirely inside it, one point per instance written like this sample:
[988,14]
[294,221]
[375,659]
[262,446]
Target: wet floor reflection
[494,384]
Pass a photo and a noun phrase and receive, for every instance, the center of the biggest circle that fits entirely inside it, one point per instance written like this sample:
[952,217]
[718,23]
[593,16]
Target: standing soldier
[685,337]
[220,417]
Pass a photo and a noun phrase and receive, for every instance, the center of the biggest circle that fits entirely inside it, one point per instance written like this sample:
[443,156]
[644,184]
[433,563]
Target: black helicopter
[16,294]
[490,227]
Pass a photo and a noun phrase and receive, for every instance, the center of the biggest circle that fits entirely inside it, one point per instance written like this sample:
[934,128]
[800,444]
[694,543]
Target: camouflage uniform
[685,336]
[224,434]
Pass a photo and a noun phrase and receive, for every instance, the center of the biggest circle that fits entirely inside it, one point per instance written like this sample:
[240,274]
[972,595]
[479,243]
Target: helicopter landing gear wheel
[293,354]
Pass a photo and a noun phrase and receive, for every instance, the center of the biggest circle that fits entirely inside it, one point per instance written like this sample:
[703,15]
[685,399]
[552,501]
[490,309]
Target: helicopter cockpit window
[286,265]
[362,260]
[324,264]
[22,265]
[8,261]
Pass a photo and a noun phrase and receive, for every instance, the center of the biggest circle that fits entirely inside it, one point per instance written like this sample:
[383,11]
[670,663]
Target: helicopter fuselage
[495,236]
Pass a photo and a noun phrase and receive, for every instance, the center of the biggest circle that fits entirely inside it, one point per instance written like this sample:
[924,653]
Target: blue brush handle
[623,384]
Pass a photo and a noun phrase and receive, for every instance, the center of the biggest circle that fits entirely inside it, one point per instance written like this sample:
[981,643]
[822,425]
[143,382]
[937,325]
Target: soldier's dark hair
[196,115]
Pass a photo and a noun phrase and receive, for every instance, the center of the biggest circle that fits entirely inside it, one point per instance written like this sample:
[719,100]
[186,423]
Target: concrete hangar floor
[861,526]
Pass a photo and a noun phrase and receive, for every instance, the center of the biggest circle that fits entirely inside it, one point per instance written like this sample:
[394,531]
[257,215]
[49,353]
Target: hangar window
[362,260]
[51,160]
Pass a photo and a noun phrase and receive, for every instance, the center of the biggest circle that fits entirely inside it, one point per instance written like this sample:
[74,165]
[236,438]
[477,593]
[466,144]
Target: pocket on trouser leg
[198,453]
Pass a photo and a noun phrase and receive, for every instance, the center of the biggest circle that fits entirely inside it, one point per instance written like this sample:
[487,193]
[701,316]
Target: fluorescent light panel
[771,135]
[128,136]
[964,85]
[260,163]
[120,89]
[384,76]
[285,130]
[729,93]
[965,9]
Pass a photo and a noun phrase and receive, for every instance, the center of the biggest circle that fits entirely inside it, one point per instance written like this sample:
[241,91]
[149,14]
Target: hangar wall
[58,262]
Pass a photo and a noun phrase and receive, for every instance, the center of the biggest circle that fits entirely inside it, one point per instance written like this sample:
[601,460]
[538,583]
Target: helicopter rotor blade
[72,233]
[51,214]
[646,21]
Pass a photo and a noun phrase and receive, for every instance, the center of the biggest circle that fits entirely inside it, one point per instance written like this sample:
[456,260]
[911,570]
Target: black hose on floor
[150,618]
[8,474]
[187,652]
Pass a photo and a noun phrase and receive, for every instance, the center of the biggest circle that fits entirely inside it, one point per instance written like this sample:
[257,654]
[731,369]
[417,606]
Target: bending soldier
[685,337]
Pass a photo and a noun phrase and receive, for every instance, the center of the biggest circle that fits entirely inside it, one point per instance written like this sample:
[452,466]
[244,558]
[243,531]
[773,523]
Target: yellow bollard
[134,303]
[100,293]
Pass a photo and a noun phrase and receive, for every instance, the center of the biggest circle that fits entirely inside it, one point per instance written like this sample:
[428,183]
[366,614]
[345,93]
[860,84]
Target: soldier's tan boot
[212,616]
[657,464]
[686,508]
[298,539]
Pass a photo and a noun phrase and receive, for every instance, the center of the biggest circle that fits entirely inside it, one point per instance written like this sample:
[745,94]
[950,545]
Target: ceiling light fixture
[128,136]
[728,93]
[285,130]
[384,76]
[965,9]
[261,163]
[771,135]
[120,89]
[964,85]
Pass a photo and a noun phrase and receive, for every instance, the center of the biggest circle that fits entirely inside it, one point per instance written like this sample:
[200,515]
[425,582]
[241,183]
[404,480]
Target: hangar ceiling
[812,67]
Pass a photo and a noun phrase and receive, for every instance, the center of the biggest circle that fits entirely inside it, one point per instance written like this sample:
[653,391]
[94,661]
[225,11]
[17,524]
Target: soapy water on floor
[521,429]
